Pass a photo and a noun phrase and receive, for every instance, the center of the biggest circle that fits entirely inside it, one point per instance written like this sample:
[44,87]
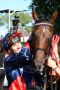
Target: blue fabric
[15,62]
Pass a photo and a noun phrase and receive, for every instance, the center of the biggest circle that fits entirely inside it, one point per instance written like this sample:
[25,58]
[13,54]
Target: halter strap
[42,49]
[43,23]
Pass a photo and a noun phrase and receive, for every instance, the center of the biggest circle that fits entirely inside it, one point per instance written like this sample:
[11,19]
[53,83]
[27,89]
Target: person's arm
[57,70]
[52,64]
[27,53]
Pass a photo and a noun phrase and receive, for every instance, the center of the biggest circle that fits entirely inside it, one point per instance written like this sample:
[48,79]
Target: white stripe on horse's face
[44,29]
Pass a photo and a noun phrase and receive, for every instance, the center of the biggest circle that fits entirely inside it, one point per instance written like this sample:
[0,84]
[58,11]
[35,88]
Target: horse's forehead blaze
[43,29]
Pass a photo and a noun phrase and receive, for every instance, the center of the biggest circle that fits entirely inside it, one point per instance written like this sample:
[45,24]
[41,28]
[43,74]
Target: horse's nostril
[36,63]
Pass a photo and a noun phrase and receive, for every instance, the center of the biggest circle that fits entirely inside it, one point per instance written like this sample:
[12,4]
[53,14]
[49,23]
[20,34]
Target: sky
[14,4]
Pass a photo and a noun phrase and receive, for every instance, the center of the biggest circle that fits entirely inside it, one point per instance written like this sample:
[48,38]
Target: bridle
[44,50]
[44,24]
[39,49]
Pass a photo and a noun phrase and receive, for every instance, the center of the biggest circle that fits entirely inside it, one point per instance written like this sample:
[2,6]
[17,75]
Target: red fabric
[27,44]
[55,41]
[18,84]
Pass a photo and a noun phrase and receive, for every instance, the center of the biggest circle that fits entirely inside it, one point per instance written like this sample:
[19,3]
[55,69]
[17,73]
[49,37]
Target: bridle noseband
[43,23]
[42,49]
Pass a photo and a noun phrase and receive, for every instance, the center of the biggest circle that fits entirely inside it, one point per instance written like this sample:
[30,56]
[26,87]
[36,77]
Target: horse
[40,43]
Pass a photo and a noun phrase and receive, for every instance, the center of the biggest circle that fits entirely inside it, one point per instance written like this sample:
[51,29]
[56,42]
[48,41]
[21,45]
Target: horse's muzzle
[39,65]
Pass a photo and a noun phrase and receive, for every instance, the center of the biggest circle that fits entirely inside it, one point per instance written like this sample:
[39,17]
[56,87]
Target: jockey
[17,62]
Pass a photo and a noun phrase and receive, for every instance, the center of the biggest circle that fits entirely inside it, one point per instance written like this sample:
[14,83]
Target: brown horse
[41,41]
[41,38]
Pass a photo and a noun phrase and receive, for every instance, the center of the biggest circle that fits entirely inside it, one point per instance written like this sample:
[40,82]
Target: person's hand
[51,63]
[55,54]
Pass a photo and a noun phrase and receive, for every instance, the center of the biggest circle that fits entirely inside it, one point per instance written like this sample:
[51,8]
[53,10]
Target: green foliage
[45,9]
[25,18]
[3,19]
[29,29]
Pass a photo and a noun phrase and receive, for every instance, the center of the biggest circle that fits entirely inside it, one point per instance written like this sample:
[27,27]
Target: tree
[45,8]
[24,18]
[4,19]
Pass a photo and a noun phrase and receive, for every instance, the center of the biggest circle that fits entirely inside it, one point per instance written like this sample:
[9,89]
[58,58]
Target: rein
[46,51]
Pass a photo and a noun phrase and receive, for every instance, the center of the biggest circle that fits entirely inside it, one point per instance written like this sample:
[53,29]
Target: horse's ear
[34,15]
[54,16]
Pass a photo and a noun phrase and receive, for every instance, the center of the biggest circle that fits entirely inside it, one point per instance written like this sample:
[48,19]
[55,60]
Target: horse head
[41,39]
